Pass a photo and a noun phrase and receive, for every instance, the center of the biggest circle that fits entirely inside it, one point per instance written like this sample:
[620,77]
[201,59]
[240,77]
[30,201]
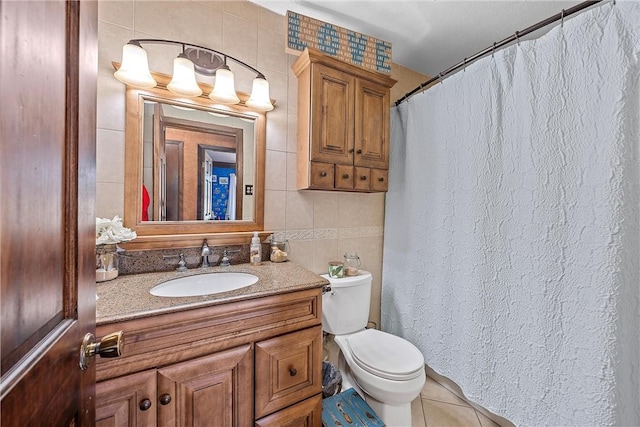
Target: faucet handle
[225,260]
[182,264]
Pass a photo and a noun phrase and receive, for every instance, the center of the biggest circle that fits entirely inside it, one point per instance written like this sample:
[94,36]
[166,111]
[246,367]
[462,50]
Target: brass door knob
[109,346]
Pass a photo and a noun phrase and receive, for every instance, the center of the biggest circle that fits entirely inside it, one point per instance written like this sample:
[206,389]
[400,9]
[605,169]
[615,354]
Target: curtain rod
[516,36]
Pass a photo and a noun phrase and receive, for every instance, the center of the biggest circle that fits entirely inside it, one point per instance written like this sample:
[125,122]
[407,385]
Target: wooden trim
[309,56]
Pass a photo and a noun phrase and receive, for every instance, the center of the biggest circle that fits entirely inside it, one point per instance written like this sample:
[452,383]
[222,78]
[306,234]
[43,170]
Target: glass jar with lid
[351,263]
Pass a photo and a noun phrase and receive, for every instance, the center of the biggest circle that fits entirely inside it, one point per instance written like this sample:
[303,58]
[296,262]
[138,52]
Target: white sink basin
[203,284]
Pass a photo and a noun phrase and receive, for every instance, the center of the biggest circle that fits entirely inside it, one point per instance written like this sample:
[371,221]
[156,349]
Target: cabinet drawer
[307,413]
[288,369]
[321,175]
[127,401]
[379,180]
[362,179]
[344,177]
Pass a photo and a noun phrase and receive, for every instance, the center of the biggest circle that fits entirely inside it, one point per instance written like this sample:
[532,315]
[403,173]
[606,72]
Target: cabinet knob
[323,173]
[363,177]
[381,179]
[145,404]
[359,152]
[165,399]
[345,176]
[293,372]
[351,150]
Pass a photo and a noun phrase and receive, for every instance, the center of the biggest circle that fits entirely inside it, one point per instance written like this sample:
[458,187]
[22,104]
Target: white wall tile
[116,12]
[110,156]
[276,170]
[299,210]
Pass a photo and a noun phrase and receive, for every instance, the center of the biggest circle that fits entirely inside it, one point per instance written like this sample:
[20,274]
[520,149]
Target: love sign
[346,45]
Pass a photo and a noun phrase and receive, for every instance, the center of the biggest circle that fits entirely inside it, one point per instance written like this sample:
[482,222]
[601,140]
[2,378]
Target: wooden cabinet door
[215,390]
[307,413]
[332,98]
[288,369]
[127,401]
[48,77]
[371,138]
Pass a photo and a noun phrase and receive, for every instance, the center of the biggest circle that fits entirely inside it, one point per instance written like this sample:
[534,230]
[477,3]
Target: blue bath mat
[348,409]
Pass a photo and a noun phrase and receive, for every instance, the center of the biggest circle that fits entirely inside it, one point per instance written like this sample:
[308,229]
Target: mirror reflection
[197,164]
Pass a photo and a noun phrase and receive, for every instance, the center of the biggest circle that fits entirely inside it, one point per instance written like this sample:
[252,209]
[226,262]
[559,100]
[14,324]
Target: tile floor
[436,406]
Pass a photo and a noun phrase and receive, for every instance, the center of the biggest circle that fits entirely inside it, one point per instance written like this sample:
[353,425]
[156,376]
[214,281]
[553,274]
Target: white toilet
[386,370]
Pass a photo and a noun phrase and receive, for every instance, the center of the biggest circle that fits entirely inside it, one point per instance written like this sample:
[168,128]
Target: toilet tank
[345,309]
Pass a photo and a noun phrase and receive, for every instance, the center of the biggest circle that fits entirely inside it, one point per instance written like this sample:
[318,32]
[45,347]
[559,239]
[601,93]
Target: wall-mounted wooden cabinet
[343,125]
[255,362]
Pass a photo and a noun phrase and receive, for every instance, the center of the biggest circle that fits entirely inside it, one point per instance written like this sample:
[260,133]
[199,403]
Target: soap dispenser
[255,250]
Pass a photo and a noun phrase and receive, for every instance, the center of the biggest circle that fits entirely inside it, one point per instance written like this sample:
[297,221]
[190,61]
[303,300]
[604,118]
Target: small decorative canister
[106,262]
[279,249]
[336,269]
[351,263]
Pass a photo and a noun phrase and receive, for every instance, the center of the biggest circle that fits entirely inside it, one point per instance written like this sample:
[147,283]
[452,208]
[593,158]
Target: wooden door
[127,401]
[159,166]
[215,390]
[332,98]
[47,214]
[371,139]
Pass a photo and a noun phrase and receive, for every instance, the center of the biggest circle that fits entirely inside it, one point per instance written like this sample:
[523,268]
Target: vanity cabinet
[343,125]
[252,362]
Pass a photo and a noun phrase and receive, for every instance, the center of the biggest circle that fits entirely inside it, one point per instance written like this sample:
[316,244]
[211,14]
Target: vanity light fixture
[134,71]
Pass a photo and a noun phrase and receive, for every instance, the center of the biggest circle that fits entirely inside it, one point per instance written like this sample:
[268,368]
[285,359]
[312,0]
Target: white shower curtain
[511,242]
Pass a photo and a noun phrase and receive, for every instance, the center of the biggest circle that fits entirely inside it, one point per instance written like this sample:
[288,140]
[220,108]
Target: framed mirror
[193,169]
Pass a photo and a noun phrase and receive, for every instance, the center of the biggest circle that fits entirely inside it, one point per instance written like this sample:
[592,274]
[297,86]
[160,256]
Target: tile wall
[320,226]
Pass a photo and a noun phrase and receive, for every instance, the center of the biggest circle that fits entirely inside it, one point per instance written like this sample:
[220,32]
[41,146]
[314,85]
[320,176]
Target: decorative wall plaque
[346,45]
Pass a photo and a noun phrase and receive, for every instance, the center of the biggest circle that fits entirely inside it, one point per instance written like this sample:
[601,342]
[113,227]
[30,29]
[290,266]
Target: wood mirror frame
[164,234]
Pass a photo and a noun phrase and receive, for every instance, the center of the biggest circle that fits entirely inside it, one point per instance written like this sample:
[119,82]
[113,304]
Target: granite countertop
[127,297]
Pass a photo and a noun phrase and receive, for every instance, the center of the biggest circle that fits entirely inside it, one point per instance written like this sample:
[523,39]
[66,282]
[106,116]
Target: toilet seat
[385,355]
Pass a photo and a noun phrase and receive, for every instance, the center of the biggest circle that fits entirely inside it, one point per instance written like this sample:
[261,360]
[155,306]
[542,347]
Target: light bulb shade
[134,69]
[224,89]
[260,99]
[183,82]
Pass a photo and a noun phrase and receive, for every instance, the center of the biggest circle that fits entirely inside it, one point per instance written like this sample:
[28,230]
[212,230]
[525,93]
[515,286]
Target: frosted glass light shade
[183,82]
[224,89]
[260,99]
[134,69]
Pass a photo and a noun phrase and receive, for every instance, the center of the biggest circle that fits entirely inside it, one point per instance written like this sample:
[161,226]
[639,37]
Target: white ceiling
[428,36]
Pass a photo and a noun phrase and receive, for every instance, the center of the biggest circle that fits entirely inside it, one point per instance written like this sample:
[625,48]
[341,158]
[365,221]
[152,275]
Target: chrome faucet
[205,252]
[225,260]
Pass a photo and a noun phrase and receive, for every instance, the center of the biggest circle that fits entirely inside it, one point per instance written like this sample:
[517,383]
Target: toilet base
[393,415]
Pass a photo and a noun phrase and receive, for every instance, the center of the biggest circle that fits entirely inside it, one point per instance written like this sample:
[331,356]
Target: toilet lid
[385,355]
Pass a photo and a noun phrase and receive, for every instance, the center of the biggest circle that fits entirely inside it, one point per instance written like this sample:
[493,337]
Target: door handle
[110,345]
